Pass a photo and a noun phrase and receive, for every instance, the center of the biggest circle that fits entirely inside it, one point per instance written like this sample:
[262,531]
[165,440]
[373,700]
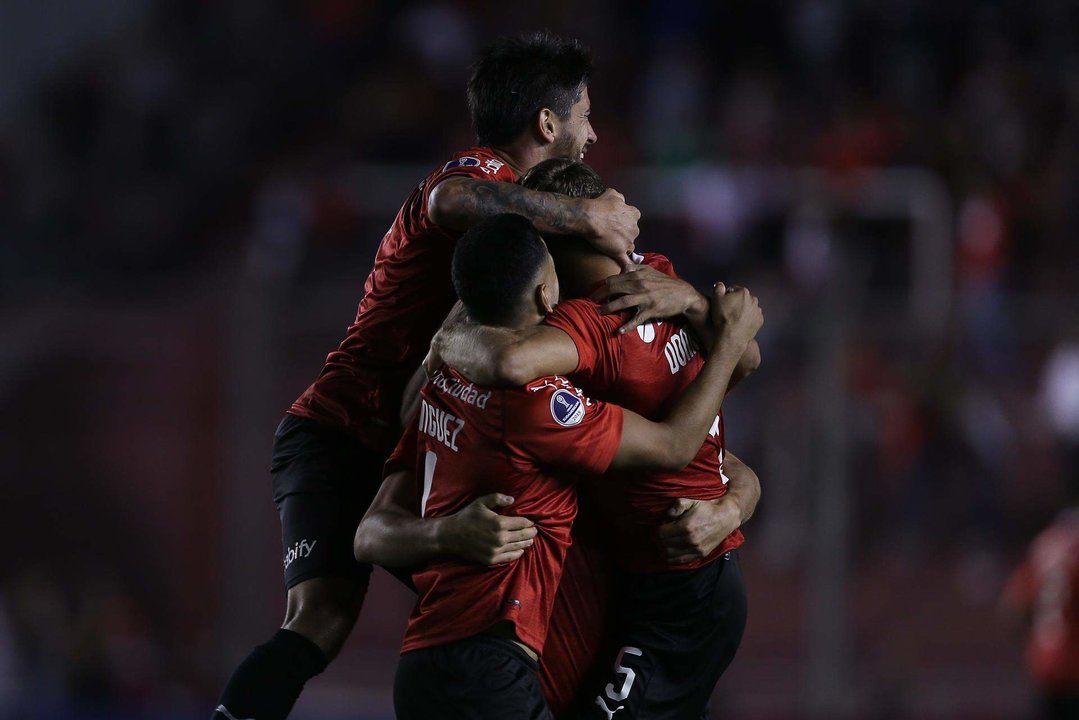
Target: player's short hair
[516,77]
[495,266]
[564,176]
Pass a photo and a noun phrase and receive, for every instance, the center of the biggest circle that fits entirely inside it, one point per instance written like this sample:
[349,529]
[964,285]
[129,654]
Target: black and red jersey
[645,371]
[406,297]
[530,443]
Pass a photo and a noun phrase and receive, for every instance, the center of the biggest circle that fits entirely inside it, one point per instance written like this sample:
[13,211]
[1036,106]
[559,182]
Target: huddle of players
[504,423]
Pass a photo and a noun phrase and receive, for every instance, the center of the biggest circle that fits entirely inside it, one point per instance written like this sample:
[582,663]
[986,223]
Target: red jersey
[577,631]
[406,297]
[1048,585]
[470,441]
[644,371]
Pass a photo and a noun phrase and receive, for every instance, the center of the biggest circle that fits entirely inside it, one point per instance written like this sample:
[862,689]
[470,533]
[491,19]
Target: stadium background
[190,198]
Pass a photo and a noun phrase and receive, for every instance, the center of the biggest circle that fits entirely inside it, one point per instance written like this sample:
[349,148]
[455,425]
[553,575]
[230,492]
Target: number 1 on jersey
[429,462]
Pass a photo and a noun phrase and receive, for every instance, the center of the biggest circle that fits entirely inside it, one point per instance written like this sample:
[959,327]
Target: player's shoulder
[479,161]
[582,312]
[658,261]
[551,400]
[576,306]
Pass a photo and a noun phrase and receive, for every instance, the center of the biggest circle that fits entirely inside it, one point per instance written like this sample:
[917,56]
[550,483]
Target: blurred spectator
[1044,591]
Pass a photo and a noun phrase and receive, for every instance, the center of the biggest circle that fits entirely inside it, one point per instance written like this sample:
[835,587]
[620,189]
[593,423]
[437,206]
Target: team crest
[566,408]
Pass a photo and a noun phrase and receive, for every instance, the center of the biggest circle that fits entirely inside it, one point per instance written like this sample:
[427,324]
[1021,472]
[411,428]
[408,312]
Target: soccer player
[528,98]
[1044,593]
[671,646]
[472,643]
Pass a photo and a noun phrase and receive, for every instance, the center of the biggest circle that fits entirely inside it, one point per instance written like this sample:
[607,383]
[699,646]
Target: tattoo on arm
[477,199]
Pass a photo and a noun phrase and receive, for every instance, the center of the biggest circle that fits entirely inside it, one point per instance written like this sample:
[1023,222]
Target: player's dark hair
[495,266]
[567,177]
[516,77]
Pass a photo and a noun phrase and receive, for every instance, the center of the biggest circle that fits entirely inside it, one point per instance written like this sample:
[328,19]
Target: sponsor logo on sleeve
[466,161]
[566,408]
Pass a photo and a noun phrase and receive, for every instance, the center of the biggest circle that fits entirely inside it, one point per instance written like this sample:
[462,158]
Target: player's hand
[736,315]
[613,226]
[479,534]
[654,294]
[698,527]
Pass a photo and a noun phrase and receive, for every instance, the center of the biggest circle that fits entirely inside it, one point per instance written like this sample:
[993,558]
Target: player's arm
[701,525]
[494,356]
[607,222]
[392,534]
[657,295]
[671,444]
[697,314]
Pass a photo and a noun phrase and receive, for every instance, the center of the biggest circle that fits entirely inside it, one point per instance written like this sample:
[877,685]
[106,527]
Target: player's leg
[478,678]
[677,633]
[321,496]
[321,614]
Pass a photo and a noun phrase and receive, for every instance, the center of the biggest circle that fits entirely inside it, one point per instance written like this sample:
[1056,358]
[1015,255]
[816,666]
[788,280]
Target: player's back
[406,297]
[523,442]
[645,371]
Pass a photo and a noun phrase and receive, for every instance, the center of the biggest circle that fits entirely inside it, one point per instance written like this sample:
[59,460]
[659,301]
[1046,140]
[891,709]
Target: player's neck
[579,274]
[521,156]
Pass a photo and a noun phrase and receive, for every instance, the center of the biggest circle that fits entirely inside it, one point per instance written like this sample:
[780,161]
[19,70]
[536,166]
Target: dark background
[191,194]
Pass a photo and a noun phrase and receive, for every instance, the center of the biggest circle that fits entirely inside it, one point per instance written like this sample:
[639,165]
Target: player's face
[575,132]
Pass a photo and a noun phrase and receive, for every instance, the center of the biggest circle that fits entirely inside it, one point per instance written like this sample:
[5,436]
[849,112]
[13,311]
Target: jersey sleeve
[599,352]
[403,456]
[551,422]
[479,163]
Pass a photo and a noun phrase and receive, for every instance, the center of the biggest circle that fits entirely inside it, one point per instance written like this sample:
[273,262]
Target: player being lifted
[670,646]
[471,647]
[529,102]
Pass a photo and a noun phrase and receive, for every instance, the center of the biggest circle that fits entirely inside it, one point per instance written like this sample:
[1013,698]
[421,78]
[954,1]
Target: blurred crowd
[149,160]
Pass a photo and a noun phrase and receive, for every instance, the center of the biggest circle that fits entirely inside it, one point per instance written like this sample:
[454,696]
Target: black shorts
[675,633]
[323,482]
[478,678]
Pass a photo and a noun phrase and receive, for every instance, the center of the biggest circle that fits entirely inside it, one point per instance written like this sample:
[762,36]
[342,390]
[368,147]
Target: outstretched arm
[671,444]
[500,357]
[393,535]
[701,525]
[607,222]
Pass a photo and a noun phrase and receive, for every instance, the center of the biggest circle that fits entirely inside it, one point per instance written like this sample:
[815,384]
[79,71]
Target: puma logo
[603,705]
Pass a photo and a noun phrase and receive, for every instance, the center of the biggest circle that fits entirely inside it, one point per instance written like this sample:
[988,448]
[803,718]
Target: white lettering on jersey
[492,166]
[440,425]
[679,350]
[560,383]
[465,392]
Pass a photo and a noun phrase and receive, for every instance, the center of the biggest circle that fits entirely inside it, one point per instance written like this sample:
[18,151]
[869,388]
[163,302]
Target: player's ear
[543,299]
[547,125]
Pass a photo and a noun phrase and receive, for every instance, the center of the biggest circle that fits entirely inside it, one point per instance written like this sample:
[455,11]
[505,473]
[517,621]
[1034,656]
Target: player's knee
[325,610]
[327,624]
